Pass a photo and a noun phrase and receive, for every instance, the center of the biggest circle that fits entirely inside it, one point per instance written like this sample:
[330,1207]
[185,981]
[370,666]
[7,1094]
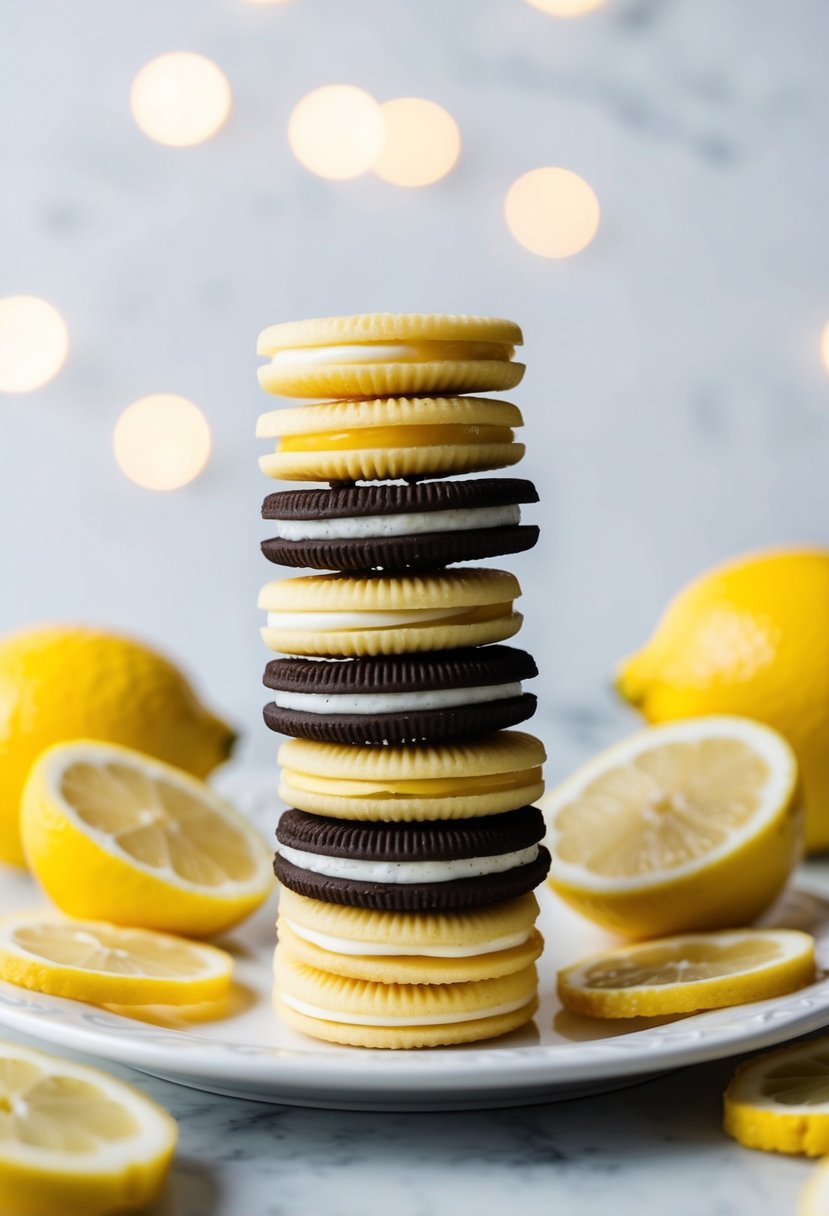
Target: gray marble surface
[655,1147]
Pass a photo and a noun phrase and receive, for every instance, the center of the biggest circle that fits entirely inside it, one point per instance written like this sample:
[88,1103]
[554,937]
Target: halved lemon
[779,1101]
[109,965]
[119,836]
[75,1140]
[689,825]
[814,1197]
[687,973]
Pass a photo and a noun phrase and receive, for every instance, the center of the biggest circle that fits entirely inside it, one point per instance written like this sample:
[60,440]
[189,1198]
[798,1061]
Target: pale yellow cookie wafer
[338,416]
[467,588]
[391,379]
[390,464]
[387,354]
[472,927]
[413,969]
[385,327]
[498,773]
[346,1010]
[394,641]
[406,1038]
[506,751]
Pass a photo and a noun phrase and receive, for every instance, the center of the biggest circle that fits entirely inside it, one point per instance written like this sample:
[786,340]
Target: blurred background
[672,284]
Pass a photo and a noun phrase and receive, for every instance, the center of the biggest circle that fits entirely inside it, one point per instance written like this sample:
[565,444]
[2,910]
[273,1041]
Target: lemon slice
[108,965]
[814,1197]
[687,973]
[115,835]
[74,1140]
[690,825]
[780,1101]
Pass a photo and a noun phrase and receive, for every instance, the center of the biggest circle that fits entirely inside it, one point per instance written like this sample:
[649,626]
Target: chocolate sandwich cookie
[413,698]
[399,527]
[411,867]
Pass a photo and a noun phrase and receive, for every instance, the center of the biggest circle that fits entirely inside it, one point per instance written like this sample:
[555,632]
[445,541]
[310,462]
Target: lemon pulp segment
[666,807]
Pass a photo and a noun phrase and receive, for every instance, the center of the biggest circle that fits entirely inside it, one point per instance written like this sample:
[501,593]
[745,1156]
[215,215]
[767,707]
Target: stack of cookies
[410,852]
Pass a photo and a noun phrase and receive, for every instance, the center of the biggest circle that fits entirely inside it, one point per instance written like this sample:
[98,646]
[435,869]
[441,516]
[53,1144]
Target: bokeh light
[824,346]
[180,99]
[566,8]
[336,131]
[422,142]
[552,212]
[162,442]
[34,343]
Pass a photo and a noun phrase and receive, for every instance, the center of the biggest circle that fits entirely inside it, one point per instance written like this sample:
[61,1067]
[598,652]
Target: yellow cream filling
[435,435]
[432,787]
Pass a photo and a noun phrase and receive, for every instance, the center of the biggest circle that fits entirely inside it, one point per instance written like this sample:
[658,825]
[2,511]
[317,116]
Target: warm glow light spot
[162,442]
[552,212]
[180,99]
[34,343]
[566,8]
[336,131]
[824,346]
[422,142]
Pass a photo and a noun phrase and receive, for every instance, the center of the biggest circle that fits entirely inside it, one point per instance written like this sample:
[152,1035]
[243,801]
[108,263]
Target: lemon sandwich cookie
[379,440]
[338,615]
[390,354]
[406,948]
[365,1014]
[487,776]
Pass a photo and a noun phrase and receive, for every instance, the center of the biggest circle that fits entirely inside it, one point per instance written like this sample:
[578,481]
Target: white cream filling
[392,702]
[405,872]
[367,1019]
[314,622]
[359,949]
[368,527]
[388,352]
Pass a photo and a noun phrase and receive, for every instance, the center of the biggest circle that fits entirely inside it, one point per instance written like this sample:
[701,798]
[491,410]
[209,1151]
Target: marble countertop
[651,1146]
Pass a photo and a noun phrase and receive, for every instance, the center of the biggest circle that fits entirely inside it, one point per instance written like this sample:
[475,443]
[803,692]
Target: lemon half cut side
[684,826]
[76,1141]
[116,835]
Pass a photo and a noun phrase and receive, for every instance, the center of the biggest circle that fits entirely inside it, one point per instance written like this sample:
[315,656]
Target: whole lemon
[60,682]
[749,637]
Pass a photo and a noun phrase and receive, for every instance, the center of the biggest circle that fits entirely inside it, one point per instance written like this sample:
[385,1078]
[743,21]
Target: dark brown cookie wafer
[393,499]
[484,836]
[423,551]
[329,680]
[449,896]
[414,726]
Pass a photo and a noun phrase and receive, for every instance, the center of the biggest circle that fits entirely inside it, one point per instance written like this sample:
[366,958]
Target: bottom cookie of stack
[368,978]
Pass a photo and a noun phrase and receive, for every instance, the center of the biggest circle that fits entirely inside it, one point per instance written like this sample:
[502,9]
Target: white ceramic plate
[249,1054]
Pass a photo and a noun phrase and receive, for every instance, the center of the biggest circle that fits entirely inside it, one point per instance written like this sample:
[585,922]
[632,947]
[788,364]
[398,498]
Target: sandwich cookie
[364,1014]
[412,867]
[390,354]
[339,615]
[406,948]
[398,527]
[380,440]
[412,698]
[487,776]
